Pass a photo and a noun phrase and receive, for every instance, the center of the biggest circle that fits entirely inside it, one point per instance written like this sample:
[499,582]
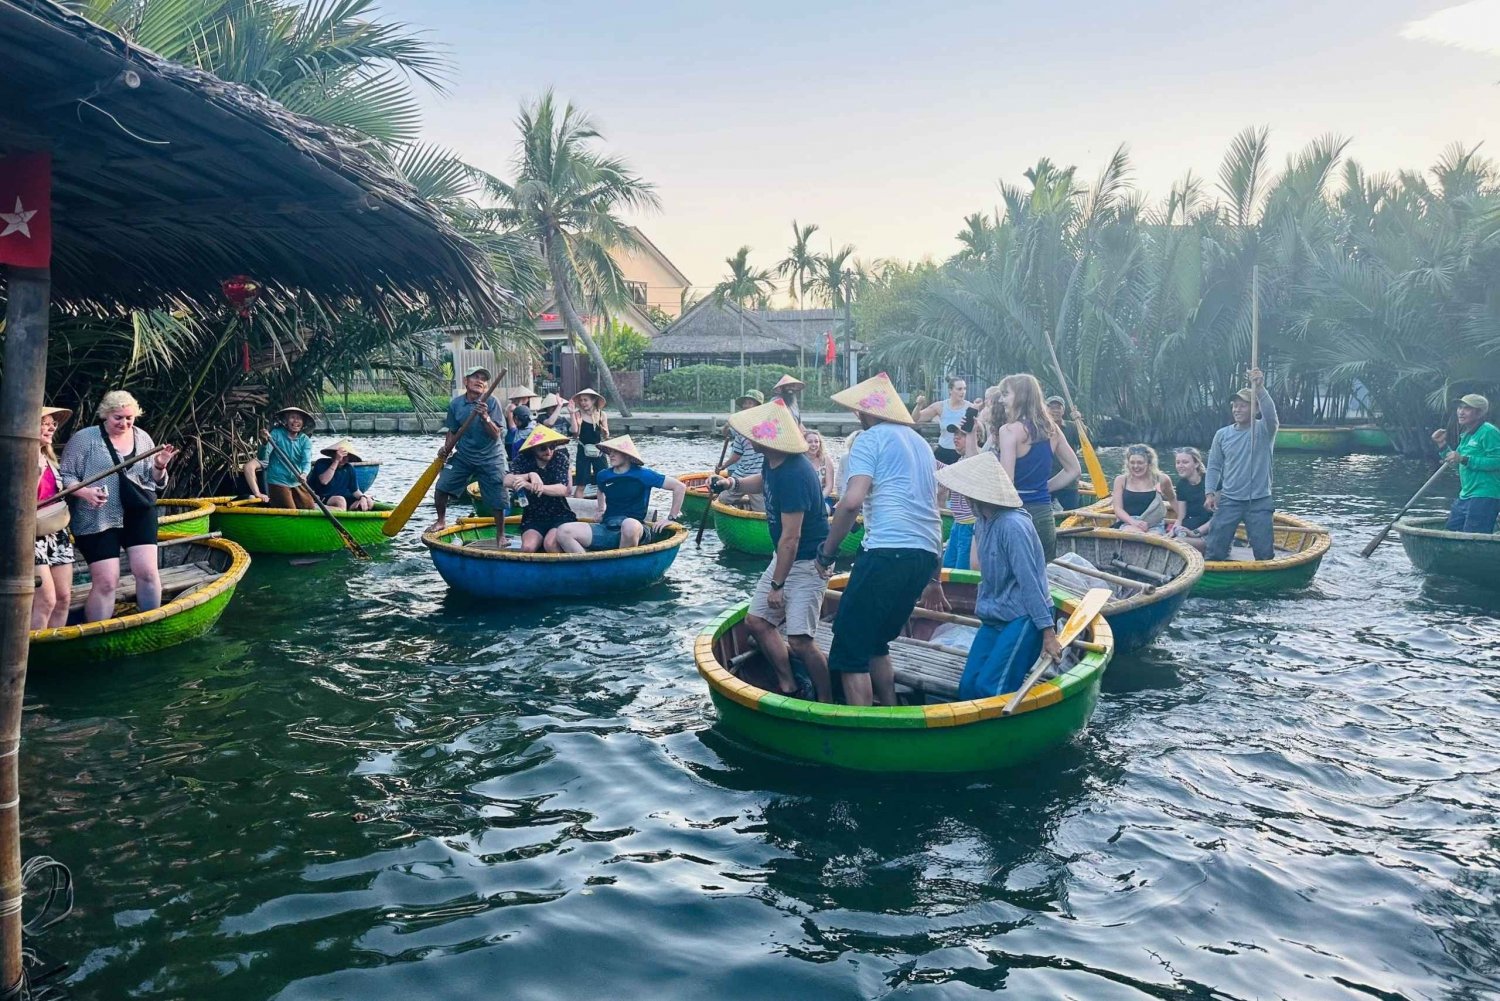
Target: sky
[886,123]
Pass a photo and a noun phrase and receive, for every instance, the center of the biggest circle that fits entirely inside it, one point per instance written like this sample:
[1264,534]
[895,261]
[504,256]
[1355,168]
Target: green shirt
[1479,467]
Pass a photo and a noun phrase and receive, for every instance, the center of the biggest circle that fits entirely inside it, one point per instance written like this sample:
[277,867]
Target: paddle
[354,547]
[1090,457]
[703,521]
[408,506]
[99,476]
[1375,542]
[1083,613]
[1254,342]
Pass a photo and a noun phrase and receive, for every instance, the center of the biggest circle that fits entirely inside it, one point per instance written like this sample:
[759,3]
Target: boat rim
[382,512]
[197,507]
[945,714]
[436,541]
[239,562]
[1284,520]
[1413,526]
[1180,583]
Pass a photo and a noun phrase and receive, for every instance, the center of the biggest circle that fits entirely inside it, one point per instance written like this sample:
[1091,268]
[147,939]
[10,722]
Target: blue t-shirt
[342,485]
[476,445]
[791,487]
[901,508]
[627,494]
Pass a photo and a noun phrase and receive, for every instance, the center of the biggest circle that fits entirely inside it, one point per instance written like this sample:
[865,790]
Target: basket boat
[470,566]
[187,516]
[292,532]
[697,499]
[749,532]
[1336,440]
[198,580]
[929,732]
[364,474]
[1300,547]
[1371,438]
[1136,616]
[1432,549]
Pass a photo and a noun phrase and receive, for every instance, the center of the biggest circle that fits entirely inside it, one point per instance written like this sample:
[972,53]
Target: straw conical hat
[58,414]
[549,401]
[770,425]
[981,478]
[876,397]
[789,381]
[590,392]
[307,418]
[542,435]
[520,393]
[624,446]
[346,445]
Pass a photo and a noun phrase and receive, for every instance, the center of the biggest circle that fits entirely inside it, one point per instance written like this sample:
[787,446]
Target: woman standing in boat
[540,479]
[1143,494]
[949,412]
[1478,460]
[824,466]
[590,427]
[1026,443]
[54,550]
[285,454]
[119,512]
[1193,517]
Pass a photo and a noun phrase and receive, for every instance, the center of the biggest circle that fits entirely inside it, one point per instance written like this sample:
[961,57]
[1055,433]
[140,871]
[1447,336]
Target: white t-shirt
[901,508]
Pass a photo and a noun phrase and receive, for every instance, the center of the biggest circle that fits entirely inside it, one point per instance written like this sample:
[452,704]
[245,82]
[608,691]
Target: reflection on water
[361,786]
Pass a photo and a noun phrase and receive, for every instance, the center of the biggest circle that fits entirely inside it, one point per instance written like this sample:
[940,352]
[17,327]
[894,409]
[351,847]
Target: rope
[61,885]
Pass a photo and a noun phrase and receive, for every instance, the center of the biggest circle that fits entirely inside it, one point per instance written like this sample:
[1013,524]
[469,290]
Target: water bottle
[522,501]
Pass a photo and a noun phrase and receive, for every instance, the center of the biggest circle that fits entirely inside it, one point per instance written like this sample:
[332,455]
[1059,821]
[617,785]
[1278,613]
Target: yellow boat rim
[1298,540]
[674,535]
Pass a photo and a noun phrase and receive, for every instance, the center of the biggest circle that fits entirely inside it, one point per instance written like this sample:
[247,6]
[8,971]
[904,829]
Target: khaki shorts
[804,599]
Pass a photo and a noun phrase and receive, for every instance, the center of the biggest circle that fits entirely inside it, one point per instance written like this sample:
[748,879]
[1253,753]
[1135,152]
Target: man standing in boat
[790,592]
[1238,484]
[891,479]
[478,455]
[1478,460]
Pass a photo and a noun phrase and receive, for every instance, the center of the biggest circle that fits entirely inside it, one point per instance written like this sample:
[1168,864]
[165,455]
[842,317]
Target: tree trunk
[574,323]
[742,358]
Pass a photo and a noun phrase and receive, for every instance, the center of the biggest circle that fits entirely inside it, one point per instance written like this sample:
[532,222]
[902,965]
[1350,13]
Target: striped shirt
[85,455]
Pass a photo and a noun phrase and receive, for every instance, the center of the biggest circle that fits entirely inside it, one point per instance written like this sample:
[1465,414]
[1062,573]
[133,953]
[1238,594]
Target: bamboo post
[1254,343]
[27,298]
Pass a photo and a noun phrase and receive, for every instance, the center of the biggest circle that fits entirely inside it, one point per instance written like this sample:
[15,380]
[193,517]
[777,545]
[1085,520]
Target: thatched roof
[806,326]
[173,184]
[713,329]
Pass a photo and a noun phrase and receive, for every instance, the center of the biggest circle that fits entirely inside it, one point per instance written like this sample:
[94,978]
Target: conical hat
[346,445]
[590,392]
[549,401]
[876,397]
[770,425]
[624,446]
[308,420]
[542,435]
[981,478]
[520,393]
[791,381]
[58,414]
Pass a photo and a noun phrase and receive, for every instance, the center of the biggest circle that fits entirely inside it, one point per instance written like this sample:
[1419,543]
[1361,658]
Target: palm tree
[833,282]
[742,283]
[978,238]
[798,264]
[565,197]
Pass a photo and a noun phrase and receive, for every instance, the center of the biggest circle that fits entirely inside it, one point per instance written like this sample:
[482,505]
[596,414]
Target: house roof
[655,251]
[166,180]
[805,326]
[550,321]
[711,328]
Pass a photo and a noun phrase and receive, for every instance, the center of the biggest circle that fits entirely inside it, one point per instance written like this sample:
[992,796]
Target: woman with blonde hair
[54,550]
[1143,494]
[823,464]
[1026,438]
[119,512]
[1193,516]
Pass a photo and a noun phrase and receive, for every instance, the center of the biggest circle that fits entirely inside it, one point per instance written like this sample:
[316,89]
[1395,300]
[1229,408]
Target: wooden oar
[1154,576]
[350,544]
[1254,343]
[1105,575]
[703,521]
[99,476]
[1083,613]
[1090,457]
[1375,542]
[408,506]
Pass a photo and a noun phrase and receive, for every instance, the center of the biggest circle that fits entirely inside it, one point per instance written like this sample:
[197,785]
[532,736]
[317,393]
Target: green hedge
[376,403]
[715,387]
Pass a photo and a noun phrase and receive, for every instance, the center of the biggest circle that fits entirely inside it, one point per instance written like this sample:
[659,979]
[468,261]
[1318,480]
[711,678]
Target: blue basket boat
[468,561]
[364,474]
[1135,615]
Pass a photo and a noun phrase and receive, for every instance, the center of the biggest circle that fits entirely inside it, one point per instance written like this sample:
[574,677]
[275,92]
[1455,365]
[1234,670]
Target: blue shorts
[607,535]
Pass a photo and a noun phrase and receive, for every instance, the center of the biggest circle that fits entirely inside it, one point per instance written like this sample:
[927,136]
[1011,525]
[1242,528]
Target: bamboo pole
[27,297]
[1254,344]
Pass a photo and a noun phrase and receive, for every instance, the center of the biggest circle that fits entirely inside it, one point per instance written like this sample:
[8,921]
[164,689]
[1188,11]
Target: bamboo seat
[174,581]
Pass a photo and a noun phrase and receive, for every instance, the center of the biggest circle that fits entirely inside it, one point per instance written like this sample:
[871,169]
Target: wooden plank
[916,665]
[174,581]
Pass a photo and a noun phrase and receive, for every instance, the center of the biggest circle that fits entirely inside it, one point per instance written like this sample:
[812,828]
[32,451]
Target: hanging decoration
[26,209]
[828,349]
[242,291]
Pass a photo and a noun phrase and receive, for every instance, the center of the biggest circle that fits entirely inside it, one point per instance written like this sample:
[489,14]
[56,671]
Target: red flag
[828,352]
[26,209]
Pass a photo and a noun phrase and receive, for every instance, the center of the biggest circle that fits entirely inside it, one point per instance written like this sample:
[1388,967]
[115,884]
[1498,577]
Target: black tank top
[1137,501]
[588,432]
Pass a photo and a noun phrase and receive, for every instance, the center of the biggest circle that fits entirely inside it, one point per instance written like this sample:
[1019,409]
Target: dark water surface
[360,787]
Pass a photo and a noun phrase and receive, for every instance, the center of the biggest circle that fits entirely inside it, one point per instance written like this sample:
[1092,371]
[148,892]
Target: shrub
[378,403]
[623,347]
[716,386]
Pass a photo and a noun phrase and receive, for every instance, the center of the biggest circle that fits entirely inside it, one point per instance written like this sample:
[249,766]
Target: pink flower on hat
[875,401]
[764,431]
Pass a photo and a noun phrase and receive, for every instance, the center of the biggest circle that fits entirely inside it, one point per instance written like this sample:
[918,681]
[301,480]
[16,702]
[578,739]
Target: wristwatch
[823,560]
[777,585]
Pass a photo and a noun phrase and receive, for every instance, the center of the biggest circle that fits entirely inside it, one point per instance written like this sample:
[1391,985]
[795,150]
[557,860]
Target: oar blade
[408,505]
[1088,607]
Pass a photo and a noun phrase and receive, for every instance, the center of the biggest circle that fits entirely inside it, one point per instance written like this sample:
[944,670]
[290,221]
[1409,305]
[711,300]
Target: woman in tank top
[949,412]
[1193,517]
[1026,443]
[590,427]
[1143,493]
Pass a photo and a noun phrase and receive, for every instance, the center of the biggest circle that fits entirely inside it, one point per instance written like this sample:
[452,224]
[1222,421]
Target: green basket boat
[925,736]
[748,531]
[187,516]
[198,579]
[1338,441]
[696,500]
[1433,549]
[286,531]
[1371,438]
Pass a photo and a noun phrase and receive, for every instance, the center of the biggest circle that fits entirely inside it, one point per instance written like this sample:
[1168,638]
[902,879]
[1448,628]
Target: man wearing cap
[478,455]
[625,487]
[1238,484]
[789,593]
[1066,497]
[333,479]
[891,479]
[789,391]
[1478,460]
[744,461]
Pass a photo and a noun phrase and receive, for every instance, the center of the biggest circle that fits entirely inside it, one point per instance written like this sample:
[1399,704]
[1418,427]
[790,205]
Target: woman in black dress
[541,481]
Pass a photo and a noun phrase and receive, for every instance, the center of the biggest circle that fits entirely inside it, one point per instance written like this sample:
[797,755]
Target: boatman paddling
[1238,484]
[478,455]
[1478,460]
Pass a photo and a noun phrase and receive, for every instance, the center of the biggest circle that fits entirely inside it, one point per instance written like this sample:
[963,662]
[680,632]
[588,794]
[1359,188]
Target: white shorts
[798,615]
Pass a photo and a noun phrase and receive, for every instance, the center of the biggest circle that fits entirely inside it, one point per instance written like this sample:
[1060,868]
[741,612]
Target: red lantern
[241,291]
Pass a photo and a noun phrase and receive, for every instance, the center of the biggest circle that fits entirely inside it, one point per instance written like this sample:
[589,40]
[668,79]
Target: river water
[359,786]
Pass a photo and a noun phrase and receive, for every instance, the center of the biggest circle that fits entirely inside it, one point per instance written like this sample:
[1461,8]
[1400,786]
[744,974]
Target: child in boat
[961,537]
[1015,604]
[624,494]
[333,479]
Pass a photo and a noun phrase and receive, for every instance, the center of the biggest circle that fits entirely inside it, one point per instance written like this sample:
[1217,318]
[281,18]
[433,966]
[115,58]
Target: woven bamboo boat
[929,732]
[697,499]
[1432,549]
[293,532]
[1335,440]
[1136,616]
[364,475]
[1371,438]
[1300,546]
[466,557]
[749,532]
[198,579]
[188,516]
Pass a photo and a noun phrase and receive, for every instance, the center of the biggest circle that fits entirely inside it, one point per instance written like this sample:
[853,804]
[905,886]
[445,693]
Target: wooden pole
[1254,342]
[27,297]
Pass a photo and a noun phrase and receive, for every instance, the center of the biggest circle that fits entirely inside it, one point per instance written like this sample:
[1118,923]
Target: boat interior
[185,567]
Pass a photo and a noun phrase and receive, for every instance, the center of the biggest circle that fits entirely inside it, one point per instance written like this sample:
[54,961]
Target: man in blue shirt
[333,480]
[789,593]
[478,455]
[624,495]
[891,478]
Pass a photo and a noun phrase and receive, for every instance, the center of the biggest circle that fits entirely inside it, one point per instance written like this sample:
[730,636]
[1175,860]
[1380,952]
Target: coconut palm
[743,282]
[833,282]
[796,267]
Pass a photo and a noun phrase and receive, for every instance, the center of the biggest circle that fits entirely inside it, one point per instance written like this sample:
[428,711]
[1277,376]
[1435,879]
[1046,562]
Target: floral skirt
[55,550]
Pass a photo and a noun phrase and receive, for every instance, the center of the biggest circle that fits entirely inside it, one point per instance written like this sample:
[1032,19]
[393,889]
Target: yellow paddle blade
[408,506]
[1089,606]
[1091,460]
